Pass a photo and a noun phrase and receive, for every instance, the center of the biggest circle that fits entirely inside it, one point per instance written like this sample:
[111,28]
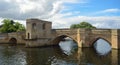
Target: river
[67,53]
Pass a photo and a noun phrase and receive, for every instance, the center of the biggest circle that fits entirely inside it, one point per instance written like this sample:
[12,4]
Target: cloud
[50,10]
[59,21]
[18,9]
[113,10]
[23,9]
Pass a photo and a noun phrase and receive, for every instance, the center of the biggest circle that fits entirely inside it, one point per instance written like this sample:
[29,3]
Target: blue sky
[95,6]
[63,13]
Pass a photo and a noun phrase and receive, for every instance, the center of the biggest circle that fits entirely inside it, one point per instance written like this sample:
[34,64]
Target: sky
[63,13]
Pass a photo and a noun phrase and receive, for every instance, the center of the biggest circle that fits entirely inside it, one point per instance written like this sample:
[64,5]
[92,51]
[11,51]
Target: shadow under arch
[93,42]
[57,40]
[13,41]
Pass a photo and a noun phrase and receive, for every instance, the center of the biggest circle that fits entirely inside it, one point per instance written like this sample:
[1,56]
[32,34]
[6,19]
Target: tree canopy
[11,26]
[82,25]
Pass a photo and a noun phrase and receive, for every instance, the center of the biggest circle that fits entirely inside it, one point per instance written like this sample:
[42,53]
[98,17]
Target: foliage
[82,25]
[11,26]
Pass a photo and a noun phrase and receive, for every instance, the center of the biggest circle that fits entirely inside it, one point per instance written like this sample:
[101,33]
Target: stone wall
[37,29]
[6,37]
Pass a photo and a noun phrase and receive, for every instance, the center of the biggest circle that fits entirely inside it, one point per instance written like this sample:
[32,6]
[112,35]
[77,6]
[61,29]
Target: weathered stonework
[40,33]
[15,37]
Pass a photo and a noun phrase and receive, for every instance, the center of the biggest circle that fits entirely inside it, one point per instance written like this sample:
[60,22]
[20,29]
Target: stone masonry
[40,33]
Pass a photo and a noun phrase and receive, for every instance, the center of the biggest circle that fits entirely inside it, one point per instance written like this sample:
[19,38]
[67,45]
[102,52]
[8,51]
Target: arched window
[43,26]
[28,35]
[34,26]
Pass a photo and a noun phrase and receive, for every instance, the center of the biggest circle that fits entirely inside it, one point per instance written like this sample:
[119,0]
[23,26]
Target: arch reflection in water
[102,47]
[18,55]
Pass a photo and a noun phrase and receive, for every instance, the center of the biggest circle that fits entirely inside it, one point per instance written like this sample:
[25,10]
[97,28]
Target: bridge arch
[95,39]
[13,41]
[61,38]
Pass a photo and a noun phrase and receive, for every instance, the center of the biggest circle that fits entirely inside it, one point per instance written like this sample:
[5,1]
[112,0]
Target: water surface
[66,53]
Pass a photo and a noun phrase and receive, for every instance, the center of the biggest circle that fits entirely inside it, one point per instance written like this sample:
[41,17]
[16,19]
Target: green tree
[19,27]
[11,26]
[82,25]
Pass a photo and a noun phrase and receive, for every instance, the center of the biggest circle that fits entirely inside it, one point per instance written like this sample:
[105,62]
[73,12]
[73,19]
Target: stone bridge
[87,37]
[40,33]
[14,37]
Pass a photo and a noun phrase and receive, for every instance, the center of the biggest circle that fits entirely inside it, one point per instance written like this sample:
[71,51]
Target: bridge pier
[115,37]
[115,57]
[79,42]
